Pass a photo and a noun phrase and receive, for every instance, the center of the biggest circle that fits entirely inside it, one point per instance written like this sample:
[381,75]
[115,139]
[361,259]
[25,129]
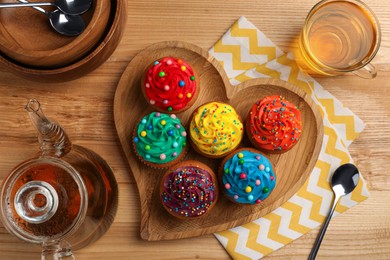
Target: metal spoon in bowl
[69,25]
[71,7]
[344,181]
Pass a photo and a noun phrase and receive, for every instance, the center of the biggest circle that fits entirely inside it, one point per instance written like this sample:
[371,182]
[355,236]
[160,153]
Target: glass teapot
[65,197]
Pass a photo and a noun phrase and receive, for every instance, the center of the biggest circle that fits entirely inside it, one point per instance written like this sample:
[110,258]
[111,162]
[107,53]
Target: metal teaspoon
[344,181]
[66,6]
[69,25]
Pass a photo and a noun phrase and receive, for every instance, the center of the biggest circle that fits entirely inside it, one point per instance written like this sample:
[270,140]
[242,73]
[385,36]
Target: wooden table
[85,108]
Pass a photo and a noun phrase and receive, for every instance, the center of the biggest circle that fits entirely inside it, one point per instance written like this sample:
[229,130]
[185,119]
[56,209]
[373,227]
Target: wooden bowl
[292,168]
[28,38]
[89,61]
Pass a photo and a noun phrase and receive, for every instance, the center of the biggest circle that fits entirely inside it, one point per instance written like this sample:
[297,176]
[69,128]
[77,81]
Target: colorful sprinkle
[152,102]
[161,74]
[170,109]
[241,161]
[169,62]
[170,132]
[265,189]
[143,133]
[192,78]
[250,197]
[147,147]
[248,189]
[258,182]
[261,167]
[182,83]
[227,186]
[147,85]
[166,87]
[189,95]
[136,139]
[258,201]
[235,197]
[240,155]
[163,156]
[183,68]
[163,122]
[180,95]
[156,62]
[242,176]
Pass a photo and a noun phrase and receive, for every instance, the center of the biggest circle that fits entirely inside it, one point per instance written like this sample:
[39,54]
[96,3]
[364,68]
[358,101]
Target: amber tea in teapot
[65,197]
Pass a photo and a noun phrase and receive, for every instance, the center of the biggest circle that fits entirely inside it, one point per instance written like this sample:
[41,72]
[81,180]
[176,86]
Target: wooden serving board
[292,168]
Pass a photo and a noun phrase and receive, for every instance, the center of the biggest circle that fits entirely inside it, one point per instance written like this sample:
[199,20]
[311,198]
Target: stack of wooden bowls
[32,49]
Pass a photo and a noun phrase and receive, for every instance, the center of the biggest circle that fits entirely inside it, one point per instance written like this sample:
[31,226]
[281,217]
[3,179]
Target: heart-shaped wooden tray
[292,168]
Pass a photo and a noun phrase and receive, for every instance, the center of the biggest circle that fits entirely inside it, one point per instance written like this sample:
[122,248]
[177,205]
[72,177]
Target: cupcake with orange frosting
[189,190]
[170,85]
[274,124]
[215,129]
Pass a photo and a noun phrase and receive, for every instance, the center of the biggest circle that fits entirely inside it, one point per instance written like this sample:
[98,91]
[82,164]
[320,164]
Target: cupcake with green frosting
[160,140]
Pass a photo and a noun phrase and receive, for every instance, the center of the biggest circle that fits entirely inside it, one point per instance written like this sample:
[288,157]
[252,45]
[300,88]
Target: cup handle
[367,72]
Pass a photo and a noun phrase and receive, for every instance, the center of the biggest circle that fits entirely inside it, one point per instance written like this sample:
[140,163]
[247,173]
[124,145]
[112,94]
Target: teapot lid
[43,199]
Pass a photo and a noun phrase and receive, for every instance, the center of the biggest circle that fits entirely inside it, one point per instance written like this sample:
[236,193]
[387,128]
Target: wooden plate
[28,38]
[292,168]
[93,59]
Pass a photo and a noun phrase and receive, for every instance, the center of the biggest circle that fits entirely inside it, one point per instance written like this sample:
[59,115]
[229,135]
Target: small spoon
[69,25]
[344,181]
[71,7]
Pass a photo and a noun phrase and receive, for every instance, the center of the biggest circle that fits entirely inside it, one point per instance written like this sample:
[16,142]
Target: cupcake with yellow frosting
[159,140]
[215,129]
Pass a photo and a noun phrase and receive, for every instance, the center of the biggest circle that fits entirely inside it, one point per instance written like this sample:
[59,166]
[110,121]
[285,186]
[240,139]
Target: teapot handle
[57,250]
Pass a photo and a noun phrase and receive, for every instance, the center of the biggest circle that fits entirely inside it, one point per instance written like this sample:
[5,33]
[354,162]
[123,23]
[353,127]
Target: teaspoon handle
[13,5]
[317,244]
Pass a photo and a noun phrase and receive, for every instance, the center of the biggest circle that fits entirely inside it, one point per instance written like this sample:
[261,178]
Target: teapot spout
[52,138]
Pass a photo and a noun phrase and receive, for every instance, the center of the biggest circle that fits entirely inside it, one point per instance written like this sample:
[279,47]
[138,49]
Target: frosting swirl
[216,129]
[248,177]
[188,191]
[159,138]
[274,124]
[170,84]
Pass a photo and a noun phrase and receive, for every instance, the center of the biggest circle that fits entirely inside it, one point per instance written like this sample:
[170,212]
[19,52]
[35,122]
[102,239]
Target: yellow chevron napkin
[246,53]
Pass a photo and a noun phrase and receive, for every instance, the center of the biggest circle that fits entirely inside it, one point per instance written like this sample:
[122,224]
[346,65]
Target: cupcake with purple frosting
[189,190]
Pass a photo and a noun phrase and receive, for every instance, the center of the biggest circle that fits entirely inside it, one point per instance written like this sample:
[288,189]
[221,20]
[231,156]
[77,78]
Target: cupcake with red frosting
[274,124]
[170,85]
[189,190]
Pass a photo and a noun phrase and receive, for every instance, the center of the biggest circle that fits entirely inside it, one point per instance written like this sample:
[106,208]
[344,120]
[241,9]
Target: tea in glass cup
[340,36]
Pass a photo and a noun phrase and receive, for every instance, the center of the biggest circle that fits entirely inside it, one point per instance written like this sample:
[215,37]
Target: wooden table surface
[84,107]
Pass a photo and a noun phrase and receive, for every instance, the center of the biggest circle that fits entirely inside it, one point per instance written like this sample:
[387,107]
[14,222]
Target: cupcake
[247,176]
[274,124]
[169,85]
[159,140]
[189,190]
[215,129]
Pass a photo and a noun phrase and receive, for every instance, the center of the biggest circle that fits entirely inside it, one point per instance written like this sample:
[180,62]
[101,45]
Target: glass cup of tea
[340,36]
